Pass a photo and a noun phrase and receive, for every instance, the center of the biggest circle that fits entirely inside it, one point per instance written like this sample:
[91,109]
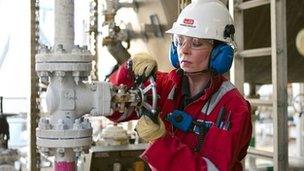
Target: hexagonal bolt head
[85,50]
[43,49]
[94,112]
[44,79]
[43,73]
[86,149]
[85,47]
[59,49]
[60,73]
[77,151]
[44,150]
[76,49]
[60,151]
[77,124]
[93,87]
[44,124]
[86,123]
[44,76]
[60,125]
[76,80]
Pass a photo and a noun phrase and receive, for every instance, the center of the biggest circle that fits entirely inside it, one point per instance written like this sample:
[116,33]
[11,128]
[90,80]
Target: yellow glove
[143,63]
[148,130]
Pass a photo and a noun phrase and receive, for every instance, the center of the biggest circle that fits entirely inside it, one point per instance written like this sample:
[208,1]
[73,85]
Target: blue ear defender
[173,55]
[220,60]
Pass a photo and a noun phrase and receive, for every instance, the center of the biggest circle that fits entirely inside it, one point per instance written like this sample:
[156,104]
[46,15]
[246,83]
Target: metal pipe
[64,24]
[65,160]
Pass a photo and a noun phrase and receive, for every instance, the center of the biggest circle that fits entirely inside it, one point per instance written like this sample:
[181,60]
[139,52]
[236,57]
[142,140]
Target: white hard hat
[208,19]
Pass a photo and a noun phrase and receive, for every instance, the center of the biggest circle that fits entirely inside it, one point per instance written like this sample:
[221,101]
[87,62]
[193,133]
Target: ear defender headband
[221,56]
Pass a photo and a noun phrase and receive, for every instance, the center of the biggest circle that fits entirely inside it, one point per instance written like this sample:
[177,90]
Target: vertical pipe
[65,160]
[64,34]
[64,23]
[65,166]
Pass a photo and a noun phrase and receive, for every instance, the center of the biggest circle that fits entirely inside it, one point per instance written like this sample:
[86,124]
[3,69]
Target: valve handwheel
[148,106]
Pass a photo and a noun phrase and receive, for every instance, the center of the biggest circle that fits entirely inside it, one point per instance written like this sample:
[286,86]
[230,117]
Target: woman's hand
[148,130]
[143,64]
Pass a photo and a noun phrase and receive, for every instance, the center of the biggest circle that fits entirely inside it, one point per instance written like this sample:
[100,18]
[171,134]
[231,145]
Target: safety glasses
[192,42]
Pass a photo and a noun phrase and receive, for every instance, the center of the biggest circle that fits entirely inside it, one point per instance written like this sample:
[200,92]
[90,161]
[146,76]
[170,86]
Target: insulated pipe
[64,23]
[65,161]
[65,166]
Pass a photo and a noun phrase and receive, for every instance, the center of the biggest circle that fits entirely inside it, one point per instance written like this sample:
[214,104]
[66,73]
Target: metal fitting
[76,49]
[60,125]
[44,124]
[86,149]
[44,79]
[60,73]
[44,150]
[93,87]
[43,49]
[94,112]
[42,73]
[60,151]
[85,48]
[77,151]
[76,75]
[76,79]
[77,124]
[86,123]
[44,76]
[59,49]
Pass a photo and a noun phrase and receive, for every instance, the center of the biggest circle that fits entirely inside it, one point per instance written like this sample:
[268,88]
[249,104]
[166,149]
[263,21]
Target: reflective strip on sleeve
[210,165]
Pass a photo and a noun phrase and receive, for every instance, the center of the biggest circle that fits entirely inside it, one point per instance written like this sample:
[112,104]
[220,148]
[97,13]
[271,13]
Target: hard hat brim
[182,31]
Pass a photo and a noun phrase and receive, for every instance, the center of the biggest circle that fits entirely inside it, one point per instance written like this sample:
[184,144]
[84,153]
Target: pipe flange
[64,134]
[64,57]
[86,67]
[64,143]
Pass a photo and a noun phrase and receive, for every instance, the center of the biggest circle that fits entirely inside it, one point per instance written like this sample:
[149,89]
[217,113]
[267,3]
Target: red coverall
[224,148]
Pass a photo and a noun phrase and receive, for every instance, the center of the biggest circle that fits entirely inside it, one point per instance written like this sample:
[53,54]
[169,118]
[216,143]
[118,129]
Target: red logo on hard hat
[188,21]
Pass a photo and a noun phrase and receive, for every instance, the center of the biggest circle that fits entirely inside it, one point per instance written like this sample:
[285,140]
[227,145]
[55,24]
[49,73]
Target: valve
[137,97]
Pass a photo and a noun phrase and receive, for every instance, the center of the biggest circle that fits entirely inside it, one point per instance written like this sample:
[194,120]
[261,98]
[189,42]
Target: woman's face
[194,53]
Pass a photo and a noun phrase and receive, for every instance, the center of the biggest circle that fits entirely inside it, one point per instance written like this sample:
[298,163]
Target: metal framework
[93,32]
[278,51]
[33,111]
[182,4]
